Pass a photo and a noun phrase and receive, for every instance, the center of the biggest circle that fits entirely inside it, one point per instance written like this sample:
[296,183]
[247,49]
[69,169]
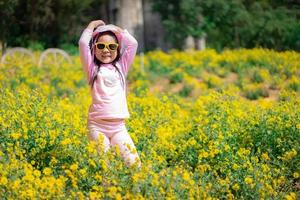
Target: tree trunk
[200,43]
[190,43]
[3,48]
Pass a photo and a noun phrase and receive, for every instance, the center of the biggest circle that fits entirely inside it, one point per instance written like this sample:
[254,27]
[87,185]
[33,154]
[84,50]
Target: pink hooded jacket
[108,93]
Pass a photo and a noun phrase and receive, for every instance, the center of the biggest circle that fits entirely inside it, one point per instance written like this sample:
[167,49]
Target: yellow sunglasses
[109,46]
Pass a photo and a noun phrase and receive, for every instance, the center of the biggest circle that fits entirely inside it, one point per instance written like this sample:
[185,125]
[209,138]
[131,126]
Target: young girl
[106,53]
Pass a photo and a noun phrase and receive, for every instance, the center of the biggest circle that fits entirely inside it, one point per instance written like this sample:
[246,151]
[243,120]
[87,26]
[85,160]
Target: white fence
[51,56]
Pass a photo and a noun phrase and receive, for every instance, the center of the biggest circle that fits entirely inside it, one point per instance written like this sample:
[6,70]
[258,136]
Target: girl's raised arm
[129,47]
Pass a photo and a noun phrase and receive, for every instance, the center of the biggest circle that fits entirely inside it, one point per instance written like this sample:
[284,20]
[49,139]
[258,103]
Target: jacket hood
[108,27]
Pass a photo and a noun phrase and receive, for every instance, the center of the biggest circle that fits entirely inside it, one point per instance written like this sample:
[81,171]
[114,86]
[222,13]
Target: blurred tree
[50,22]
[233,23]
[252,23]
[182,18]
[225,23]
[7,8]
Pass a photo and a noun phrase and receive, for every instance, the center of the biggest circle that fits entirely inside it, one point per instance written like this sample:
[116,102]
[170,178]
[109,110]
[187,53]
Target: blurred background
[157,24]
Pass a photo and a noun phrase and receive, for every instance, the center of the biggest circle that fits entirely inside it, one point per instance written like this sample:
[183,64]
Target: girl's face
[105,53]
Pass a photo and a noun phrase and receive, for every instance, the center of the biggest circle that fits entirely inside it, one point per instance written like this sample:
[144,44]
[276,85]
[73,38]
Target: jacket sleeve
[128,50]
[85,52]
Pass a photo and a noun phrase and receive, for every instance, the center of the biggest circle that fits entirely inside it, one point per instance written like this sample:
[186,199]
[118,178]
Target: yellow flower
[37,173]
[265,168]
[289,154]
[236,187]
[185,176]
[93,195]
[83,172]
[174,173]
[203,168]
[66,141]
[91,147]
[92,162]
[103,165]
[222,182]
[112,191]
[53,161]
[74,167]
[16,184]
[226,147]
[135,178]
[243,152]
[291,196]
[203,155]
[235,166]
[16,135]
[281,180]
[47,171]
[296,175]
[155,180]
[248,180]
[118,196]
[3,180]
[30,193]
[265,156]
[165,98]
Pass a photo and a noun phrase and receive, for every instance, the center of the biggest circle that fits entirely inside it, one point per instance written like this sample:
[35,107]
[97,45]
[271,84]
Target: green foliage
[176,76]
[182,19]
[36,46]
[255,91]
[7,8]
[69,48]
[185,91]
[52,22]
[232,24]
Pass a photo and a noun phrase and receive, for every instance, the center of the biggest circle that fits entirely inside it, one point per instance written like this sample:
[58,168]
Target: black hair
[98,62]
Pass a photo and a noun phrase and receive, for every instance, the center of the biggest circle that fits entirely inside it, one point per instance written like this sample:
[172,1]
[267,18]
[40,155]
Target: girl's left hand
[95,23]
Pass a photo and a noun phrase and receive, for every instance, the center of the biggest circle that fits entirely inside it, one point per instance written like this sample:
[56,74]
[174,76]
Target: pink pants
[114,133]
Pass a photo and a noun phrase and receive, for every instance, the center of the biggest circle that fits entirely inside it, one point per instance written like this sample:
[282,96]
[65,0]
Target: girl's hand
[94,24]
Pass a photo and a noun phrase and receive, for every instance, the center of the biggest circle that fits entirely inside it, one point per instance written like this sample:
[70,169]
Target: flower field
[206,125]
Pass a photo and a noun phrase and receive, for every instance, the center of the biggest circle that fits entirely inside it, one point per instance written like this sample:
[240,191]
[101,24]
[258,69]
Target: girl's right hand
[94,24]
